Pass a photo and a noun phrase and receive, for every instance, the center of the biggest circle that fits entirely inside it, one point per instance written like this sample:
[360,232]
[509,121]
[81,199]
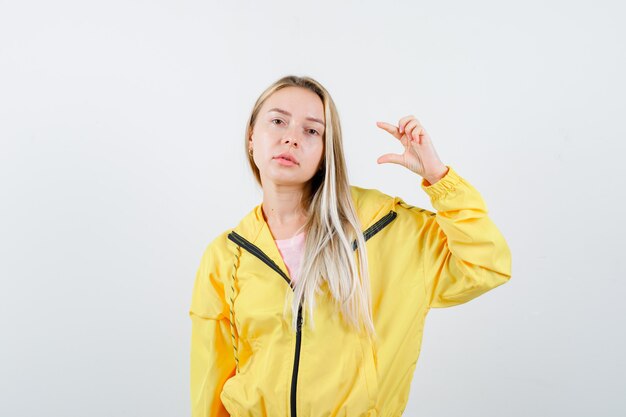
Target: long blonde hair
[332,223]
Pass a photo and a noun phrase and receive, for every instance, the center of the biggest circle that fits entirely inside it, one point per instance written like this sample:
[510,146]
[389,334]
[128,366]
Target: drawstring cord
[232,309]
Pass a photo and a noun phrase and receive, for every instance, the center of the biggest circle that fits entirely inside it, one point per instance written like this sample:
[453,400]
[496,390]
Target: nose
[289,141]
[290,138]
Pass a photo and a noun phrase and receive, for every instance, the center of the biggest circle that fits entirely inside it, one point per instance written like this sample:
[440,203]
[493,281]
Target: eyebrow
[285,112]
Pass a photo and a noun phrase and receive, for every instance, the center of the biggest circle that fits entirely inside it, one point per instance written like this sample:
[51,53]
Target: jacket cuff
[445,185]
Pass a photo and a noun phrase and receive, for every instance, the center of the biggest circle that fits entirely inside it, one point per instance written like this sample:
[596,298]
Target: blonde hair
[332,224]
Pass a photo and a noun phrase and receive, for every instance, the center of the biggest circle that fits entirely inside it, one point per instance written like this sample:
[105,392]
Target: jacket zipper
[256,251]
[377,227]
[296,362]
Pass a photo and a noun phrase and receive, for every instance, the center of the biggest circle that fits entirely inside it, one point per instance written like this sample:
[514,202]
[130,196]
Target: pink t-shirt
[292,251]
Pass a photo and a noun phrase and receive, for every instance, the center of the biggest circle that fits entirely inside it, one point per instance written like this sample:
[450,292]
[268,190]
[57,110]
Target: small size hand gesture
[419,154]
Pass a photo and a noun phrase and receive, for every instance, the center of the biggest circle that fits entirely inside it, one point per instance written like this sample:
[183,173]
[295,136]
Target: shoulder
[208,297]
[375,202]
[217,250]
[370,203]
[368,195]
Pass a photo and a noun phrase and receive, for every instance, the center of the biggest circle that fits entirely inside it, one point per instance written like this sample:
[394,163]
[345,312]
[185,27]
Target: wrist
[433,178]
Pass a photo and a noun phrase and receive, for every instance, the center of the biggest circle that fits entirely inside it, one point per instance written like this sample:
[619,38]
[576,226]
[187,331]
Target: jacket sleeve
[463,253]
[212,358]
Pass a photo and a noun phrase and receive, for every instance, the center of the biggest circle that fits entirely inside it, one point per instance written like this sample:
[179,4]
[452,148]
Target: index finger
[390,128]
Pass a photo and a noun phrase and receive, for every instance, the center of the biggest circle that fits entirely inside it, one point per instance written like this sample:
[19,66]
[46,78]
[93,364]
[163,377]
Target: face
[291,121]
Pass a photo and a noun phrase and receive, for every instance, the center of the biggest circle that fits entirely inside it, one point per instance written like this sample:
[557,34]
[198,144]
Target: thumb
[390,158]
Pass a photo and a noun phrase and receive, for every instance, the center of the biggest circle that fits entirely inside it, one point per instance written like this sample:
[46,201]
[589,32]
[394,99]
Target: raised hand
[419,154]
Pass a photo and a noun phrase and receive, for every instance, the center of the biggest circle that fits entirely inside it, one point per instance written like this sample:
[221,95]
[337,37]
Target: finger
[390,158]
[417,134]
[421,135]
[415,131]
[410,128]
[402,123]
[389,128]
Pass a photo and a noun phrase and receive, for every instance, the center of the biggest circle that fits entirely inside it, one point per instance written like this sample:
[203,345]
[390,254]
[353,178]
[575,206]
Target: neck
[282,206]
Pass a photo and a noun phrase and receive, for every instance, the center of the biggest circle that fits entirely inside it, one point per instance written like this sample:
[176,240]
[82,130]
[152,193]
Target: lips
[286,156]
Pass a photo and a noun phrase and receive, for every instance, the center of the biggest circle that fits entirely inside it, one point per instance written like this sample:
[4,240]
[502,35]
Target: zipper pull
[300,319]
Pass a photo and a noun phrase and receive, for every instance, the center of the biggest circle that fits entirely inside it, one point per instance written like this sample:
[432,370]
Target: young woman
[362,267]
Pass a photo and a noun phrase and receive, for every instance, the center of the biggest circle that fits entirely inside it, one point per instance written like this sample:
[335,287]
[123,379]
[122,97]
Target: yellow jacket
[247,361]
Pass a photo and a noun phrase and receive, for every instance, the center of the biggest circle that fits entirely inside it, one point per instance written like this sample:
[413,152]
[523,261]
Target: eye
[315,132]
[273,120]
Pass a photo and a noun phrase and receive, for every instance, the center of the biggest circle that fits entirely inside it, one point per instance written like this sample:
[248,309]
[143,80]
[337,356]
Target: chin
[288,180]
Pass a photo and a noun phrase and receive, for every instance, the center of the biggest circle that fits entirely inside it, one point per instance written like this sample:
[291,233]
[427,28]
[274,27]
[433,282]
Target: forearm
[465,253]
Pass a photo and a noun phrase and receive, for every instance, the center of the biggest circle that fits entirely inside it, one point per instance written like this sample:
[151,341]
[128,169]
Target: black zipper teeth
[256,251]
[377,227]
[296,363]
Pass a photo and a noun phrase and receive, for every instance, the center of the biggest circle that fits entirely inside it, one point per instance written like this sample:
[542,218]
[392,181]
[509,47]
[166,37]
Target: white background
[122,155]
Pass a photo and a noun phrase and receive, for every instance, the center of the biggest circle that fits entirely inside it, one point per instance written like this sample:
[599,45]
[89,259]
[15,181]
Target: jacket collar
[370,204]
